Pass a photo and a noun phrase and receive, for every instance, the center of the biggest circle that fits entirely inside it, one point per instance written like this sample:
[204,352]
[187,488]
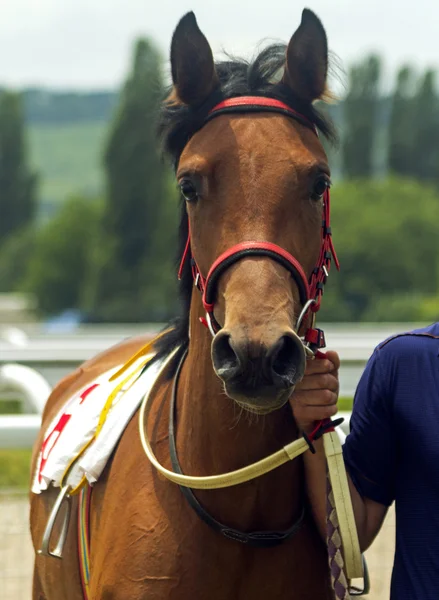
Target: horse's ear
[307,59]
[193,68]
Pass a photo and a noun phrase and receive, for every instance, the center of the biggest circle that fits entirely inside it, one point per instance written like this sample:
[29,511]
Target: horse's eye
[188,190]
[320,187]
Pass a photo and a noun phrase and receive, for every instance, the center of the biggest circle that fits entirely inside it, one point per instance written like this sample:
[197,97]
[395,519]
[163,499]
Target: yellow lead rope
[354,566]
[343,505]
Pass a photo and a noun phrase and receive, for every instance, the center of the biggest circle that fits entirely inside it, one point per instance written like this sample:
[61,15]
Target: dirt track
[16,553]
[380,560]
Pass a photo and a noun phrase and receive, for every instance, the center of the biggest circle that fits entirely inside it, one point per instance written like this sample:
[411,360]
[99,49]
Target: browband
[249,104]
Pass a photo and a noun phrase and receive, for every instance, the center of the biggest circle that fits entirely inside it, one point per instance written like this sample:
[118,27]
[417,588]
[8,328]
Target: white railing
[20,431]
[27,383]
[30,387]
[55,354]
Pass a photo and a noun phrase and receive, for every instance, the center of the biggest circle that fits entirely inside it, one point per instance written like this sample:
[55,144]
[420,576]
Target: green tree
[425,158]
[15,253]
[64,256]
[401,124]
[385,234]
[17,181]
[136,192]
[360,110]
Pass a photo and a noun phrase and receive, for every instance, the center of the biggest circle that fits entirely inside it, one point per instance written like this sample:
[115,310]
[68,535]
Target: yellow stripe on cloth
[144,351]
[102,418]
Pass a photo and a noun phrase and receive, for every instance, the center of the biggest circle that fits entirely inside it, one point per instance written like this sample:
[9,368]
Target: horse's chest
[183,559]
[150,545]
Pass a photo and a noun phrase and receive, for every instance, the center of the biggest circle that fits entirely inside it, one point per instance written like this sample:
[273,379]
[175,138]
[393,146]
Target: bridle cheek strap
[327,253]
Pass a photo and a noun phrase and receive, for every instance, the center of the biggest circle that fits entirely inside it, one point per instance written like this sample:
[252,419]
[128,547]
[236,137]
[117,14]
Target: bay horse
[261,174]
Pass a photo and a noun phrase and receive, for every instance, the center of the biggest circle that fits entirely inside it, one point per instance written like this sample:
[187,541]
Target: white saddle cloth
[76,423]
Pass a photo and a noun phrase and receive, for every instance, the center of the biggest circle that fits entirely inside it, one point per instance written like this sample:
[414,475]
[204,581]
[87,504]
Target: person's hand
[316,396]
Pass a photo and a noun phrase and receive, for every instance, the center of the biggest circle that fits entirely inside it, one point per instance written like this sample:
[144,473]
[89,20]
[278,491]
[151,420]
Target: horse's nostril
[224,357]
[251,367]
[287,359]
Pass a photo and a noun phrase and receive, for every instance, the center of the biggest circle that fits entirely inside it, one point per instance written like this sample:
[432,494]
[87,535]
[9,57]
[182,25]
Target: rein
[214,482]
[258,539]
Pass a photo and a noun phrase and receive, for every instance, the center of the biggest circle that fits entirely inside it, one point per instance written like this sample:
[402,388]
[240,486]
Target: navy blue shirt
[392,453]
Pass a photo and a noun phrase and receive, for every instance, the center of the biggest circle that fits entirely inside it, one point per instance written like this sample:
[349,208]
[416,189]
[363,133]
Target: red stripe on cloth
[53,436]
[86,392]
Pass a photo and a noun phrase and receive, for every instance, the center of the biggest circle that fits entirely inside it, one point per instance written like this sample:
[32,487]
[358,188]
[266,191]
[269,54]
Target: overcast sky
[87,43]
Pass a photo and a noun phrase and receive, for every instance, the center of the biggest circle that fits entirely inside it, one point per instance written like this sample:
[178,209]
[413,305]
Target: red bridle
[310,290]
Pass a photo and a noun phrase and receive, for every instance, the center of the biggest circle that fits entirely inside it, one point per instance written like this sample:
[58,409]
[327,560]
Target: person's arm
[316,398]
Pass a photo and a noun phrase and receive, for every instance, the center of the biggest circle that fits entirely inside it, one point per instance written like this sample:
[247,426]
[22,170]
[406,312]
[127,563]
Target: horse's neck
[214,436]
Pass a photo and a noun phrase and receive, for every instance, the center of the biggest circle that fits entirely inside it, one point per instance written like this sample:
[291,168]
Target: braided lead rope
[333,540]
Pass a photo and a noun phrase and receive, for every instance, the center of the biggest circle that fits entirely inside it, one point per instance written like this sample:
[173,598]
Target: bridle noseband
[310,289]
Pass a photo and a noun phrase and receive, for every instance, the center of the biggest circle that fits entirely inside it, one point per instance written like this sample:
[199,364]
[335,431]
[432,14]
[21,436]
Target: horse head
[254,178]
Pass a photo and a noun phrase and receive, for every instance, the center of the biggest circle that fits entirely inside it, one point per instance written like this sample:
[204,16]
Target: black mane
[178,123]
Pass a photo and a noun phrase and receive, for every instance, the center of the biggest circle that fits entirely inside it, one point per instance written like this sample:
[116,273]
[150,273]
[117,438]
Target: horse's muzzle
[255,374]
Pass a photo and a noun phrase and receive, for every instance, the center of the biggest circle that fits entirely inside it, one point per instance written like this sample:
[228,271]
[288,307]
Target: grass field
[10,407]
[14,464]
[15,468]
[68,159]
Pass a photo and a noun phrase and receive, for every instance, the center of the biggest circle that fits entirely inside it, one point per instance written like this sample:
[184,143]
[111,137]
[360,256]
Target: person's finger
[319,381]
[316,413]
[334,358]
[318,365]
[314,399]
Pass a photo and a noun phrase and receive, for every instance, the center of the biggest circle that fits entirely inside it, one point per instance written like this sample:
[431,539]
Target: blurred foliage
[360,111]
[68,156]
[15,468]
[345,403]
[110,252]
[15,253]
[132,278]
[386,235]
[10,407]
[62,261]
[414,126]
[425,114]
[402,124]
[17,182]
